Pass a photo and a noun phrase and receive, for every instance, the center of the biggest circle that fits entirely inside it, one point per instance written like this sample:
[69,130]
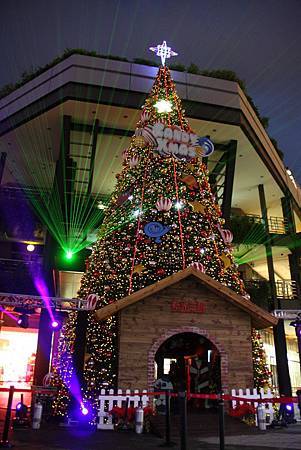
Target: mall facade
[64,132]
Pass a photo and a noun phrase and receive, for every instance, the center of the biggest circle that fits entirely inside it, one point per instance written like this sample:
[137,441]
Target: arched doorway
[191,362]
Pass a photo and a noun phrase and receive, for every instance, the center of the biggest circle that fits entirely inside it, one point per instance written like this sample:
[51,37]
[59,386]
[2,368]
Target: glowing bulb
[100,205]
[69,254]
[130,198]
[84,411]
[137,213]
[30,247]
[163,106]
[178,205]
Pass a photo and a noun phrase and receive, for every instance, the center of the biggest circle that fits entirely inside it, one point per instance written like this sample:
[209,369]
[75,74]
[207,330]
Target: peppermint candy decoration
[206,145]
[92,300]
[125,154]
[225,234]
[198,266]
[164,204]
[147,133]
[134,161]
[145,116]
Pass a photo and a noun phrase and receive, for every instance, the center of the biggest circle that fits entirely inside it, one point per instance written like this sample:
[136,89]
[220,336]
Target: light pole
[297,325]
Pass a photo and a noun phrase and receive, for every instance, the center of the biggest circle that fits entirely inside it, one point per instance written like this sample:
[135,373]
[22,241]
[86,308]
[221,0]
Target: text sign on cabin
[187,307]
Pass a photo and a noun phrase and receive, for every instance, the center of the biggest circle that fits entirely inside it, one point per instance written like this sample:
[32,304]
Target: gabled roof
[260,317]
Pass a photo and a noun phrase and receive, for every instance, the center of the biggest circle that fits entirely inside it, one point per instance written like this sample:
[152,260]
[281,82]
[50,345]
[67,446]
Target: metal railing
[286,289]
[261,290]
[276,225]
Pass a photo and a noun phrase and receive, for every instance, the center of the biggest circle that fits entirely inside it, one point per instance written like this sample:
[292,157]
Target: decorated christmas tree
[262,375]
[162,218]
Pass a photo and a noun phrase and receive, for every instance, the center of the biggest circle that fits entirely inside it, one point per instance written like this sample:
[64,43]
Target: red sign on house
[190,306]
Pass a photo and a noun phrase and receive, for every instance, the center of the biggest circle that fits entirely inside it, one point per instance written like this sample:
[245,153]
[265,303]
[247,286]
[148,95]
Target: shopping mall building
[62,135]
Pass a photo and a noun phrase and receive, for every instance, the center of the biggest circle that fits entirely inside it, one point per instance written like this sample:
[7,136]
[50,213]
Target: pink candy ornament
[198,266]
[164,204]
[134,161]
[226,235]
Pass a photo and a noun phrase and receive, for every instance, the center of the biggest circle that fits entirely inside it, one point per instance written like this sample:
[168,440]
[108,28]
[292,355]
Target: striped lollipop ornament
[145,116]
[227,235]
[164,204]
[198,266]
[148,136]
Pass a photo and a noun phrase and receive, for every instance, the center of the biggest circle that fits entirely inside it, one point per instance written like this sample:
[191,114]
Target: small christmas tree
[262,375]
[162,218]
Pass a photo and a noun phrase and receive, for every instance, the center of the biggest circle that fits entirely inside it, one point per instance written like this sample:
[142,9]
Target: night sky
[259,39]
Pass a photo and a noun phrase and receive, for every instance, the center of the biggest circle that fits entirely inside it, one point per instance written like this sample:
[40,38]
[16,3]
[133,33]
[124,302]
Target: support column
[80,345]
[294,257]
[229,180]
[284,380]
[2,164]
[43,349]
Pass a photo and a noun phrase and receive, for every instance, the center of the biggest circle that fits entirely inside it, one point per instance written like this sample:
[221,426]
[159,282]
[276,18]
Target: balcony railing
[286,289]
[261,291]
[277,225]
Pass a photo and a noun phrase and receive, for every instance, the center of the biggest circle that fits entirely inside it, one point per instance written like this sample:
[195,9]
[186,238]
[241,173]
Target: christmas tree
[262,375]
[162,218]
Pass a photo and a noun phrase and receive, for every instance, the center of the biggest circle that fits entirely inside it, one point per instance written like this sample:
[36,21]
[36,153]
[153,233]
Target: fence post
[221,422]
[183,417]
[4,441]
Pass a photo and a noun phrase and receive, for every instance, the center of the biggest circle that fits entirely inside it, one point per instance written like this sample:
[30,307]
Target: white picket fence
[108,400]
[254,394]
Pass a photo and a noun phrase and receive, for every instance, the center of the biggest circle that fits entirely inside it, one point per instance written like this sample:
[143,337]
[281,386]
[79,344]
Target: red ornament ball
[160,271]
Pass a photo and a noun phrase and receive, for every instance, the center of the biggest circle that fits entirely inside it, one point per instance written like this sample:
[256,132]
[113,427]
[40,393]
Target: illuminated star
[139,268]
[163,51]
[197,207]
[163,106]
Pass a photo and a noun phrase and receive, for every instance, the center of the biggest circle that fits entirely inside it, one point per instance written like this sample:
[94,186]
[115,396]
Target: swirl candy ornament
[164,204]
[156,230]
[134,161]
[145,116]
[203,147]
[92,300]
[147,134]
[225,234]
[198,266]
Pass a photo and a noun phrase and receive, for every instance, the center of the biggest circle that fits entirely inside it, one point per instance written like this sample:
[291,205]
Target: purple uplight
[9,314]
[43,291]
[84,410]
[56,324]
[19,406]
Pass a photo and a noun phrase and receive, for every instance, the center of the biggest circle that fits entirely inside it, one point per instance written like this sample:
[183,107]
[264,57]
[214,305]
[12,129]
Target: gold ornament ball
[139,141]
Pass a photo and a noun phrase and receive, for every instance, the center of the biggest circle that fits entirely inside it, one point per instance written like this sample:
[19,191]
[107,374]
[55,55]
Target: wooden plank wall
[142,324]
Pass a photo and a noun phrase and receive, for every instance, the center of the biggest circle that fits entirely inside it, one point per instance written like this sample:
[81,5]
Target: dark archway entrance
[191,361]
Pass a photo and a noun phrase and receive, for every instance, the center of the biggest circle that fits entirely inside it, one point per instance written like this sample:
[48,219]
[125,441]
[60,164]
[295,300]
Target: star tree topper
[163,51]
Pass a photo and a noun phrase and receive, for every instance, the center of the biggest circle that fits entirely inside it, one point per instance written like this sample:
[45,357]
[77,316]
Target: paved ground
[55,438]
